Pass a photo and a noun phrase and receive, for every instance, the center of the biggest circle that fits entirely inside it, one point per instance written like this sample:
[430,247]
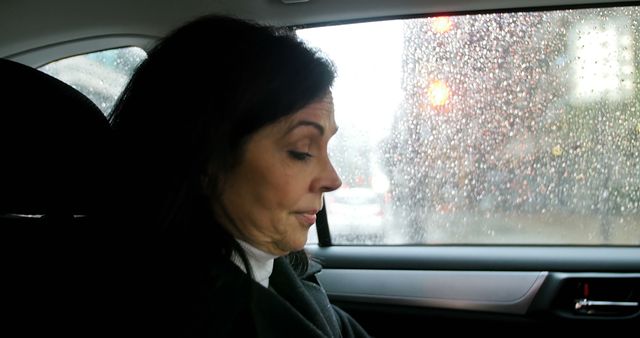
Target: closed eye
[299,155]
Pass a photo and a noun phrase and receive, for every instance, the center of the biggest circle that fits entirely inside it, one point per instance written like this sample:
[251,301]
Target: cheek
[285,186]
[298,177]
[285,195]
[267,188]
[274,188]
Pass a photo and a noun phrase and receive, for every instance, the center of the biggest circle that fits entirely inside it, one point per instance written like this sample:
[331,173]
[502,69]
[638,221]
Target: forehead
[320,111]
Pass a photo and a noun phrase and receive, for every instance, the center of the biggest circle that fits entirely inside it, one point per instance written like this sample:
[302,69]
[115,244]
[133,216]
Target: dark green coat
[230,304]
[291,307]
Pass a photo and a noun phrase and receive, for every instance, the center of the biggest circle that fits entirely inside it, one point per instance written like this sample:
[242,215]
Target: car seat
[54,182]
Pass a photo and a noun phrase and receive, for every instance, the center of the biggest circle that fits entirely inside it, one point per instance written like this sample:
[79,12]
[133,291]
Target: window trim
[38,57]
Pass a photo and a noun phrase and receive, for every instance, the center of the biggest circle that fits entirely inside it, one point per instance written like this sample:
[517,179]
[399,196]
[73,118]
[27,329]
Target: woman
[225,129]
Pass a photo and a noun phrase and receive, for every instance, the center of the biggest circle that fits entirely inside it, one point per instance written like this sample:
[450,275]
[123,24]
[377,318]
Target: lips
[307,217]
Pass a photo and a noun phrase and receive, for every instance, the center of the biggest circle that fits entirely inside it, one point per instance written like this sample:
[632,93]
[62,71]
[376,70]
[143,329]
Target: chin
[299,243]
[297,247]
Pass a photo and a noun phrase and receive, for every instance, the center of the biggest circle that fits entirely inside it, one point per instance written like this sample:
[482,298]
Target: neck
[261,263]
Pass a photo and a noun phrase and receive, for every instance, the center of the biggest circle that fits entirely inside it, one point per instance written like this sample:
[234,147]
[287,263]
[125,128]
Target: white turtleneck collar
[261,262]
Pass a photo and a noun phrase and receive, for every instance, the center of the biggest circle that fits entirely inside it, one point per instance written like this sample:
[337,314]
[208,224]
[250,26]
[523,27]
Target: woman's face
[274,193]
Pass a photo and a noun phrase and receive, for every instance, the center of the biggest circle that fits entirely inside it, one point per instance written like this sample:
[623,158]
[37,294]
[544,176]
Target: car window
[101,76]
[509,128]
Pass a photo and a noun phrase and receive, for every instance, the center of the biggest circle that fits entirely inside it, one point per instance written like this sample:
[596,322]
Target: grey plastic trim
[40,56]
[479,258]
[488,291]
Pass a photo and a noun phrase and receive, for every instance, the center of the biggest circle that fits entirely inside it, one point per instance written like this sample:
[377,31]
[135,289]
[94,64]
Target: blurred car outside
[356,212]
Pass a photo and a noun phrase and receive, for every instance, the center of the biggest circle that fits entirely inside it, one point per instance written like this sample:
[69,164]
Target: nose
[327,180]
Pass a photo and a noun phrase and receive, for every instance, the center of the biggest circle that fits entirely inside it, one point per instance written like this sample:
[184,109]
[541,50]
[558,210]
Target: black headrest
[54,145]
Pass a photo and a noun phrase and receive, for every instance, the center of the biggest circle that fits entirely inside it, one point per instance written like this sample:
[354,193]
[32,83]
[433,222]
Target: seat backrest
[54,177]
[53,143]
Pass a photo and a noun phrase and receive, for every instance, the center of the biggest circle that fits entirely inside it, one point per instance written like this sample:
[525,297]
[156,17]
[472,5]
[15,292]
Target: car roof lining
[65,21]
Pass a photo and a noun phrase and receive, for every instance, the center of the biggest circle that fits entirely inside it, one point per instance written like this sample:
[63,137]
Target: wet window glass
[510,128]
[101,76]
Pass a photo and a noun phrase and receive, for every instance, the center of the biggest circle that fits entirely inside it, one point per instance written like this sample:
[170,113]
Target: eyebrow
[307,123]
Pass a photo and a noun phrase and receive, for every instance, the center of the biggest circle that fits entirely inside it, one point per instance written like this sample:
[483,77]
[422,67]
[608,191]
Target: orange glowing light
[438,93]
[441,24]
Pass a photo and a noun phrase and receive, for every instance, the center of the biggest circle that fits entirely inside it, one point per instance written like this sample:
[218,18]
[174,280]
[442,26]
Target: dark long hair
[184,117]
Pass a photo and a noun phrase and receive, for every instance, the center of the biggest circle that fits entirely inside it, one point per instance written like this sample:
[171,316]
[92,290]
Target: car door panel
[482,287]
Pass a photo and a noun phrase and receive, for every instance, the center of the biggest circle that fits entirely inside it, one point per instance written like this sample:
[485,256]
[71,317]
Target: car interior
[478,257]
[53,186]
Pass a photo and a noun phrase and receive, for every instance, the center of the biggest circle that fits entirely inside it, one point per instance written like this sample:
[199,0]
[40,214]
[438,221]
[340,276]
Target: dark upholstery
[53,142]
[54,181]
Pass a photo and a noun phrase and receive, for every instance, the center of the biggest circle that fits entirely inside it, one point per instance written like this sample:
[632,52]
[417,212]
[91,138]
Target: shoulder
[283,264]
[312,271]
